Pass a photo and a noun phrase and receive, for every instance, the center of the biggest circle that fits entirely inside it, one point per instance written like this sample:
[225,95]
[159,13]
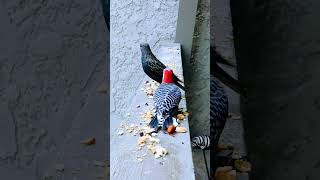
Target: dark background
[53,58]
[278,49]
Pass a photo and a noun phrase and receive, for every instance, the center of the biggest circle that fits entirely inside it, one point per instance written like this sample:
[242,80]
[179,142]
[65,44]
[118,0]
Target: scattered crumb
[120,133]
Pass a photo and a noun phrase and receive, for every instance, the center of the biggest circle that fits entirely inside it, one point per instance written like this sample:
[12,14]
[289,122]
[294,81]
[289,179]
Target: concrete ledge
[124,162]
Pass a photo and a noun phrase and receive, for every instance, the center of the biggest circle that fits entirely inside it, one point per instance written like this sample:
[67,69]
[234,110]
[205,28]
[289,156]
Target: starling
[153,67]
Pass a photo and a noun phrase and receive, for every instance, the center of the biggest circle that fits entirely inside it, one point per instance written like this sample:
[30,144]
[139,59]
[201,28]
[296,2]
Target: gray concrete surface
[178,163]
[280,66]
[52,59]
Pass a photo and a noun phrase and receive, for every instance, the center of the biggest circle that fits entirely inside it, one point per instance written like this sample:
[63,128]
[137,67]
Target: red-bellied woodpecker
[166,101]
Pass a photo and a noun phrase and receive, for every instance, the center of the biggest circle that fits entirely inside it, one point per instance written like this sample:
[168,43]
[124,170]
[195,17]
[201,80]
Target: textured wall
[133,22]
[52,58]
[280,64]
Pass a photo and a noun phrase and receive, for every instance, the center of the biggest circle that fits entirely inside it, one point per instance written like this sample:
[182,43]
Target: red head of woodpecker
[167,76]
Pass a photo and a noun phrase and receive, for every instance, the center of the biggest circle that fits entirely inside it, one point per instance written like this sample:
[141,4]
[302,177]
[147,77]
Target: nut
[171,129]
[181,129]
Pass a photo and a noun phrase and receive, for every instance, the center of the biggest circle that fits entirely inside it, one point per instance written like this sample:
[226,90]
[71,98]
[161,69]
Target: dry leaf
[99,163]
[90,141]
[242,165]
[234,116]
[181,129]
[236,154]
[225,173]
[221,147]
[102,88]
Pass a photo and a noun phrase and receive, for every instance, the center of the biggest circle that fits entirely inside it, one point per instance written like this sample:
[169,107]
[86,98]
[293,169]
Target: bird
[222,75]
[166,101]
[218,116]
[153,67]
[219,106]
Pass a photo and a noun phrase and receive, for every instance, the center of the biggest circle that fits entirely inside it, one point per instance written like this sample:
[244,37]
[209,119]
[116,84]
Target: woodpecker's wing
[218,110]
[167,97]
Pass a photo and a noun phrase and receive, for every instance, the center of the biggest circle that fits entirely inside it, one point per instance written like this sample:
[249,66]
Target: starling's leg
[205,160]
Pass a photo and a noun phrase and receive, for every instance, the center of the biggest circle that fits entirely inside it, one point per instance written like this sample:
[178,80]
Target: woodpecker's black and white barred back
[218,110]
[166,101]
[201,142]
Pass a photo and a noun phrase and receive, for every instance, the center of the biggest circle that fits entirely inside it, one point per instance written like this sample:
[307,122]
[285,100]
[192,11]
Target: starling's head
[167,75]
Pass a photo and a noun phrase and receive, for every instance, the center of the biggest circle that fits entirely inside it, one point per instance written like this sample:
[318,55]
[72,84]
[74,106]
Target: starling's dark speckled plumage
[153,67]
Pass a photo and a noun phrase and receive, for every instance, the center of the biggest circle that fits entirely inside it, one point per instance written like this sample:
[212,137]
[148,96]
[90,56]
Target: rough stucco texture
[52,58]
[280,66]
[134,22]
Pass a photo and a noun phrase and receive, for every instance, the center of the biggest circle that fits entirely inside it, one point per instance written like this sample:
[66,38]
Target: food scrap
[181,129]
[171,129]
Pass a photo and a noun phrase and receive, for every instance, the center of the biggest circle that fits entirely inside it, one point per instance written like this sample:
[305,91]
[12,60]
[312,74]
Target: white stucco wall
[133,22]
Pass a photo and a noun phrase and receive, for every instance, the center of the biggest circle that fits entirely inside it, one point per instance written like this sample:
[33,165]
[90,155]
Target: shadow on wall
[280,66]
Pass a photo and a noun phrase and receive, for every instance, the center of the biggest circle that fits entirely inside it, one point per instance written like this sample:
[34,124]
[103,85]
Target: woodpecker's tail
[154,123]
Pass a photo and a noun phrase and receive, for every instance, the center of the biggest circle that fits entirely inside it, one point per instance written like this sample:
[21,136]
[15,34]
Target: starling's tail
[154,123]
[175,78]
[180,86]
